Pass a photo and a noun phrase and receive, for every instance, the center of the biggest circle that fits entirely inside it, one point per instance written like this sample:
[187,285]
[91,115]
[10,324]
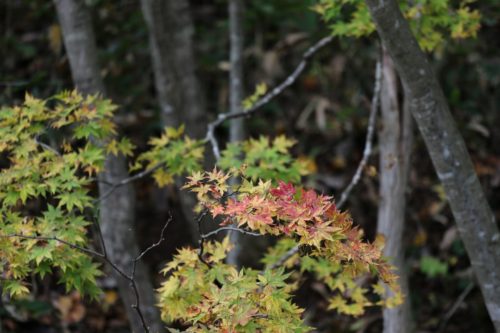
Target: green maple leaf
[27,190]
[15,288]
[10,198]
[77,198]
[40,253]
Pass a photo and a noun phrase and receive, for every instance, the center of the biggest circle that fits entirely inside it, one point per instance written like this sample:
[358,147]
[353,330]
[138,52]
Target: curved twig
[210,137]
[128,180]
[216,231]
[369,136]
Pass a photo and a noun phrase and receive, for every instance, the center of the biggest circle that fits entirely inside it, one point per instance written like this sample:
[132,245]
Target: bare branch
[288,254]
[152,246]
[267,98]
[131,278]
[216,231]
[126,181]
[369,136]
[201,241]
[14,83]
[46,147]
[53,238]
[456,305]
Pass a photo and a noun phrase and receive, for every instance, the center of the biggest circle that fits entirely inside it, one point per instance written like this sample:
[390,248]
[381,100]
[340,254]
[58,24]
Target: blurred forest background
[326,111]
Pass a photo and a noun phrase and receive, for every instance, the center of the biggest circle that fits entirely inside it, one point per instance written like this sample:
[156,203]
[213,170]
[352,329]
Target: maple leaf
[15,288]
[236,207]
[170,286]
[283,190]
[194,180]
[282,143]
[217,210]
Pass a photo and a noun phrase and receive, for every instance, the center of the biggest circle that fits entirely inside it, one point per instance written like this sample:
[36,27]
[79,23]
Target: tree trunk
[395,140]
[177,87]
[236,35]
[171,42]
[475,220]
[117,210]
[236,126]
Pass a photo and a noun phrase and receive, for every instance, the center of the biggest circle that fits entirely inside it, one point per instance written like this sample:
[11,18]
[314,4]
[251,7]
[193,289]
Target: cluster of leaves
[54,149]
[260,90]
[45,199]
[331,247]
[348,296]
[429,20]
[175,154]
[212,296]
[46,207]
[264,159]
[45,189]
[432,266]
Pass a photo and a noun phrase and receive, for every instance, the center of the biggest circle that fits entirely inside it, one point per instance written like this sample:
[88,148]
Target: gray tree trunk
[395,141]
[117,210]
[475,220]
[236,126]
[171,42]
[236,91]
[179,93]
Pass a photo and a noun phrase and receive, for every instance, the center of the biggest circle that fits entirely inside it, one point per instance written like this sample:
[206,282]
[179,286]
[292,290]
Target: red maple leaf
[283,190]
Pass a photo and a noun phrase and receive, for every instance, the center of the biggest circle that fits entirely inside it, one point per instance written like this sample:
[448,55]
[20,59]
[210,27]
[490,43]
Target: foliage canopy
[55,149]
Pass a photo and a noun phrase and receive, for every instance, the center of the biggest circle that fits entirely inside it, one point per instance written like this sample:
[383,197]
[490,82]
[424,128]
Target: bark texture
[236,129]
[236,126]
[178,90]
[395,140]
[474,218]
[117,210]
[171,42]
[79,41]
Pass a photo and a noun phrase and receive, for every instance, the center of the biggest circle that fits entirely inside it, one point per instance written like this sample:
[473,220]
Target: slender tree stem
[475,220]
[210,137]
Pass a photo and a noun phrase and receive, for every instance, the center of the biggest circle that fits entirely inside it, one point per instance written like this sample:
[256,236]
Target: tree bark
[178,90]
[395,141]
[171,42]
[475,220]
[117,210]
[236,126]
[236,129]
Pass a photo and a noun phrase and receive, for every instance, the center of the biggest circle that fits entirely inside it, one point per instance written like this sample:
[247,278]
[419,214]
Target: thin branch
[152,246]
[288,254]
[131,278]
[216,231]
[128,180]
[456,305]
[46,146]
[201,244]
[366,154]
[210,137]
[369,136]
[97,227]
[260,316]
[201,241]
[14,83]
[102,256]
[53,238]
